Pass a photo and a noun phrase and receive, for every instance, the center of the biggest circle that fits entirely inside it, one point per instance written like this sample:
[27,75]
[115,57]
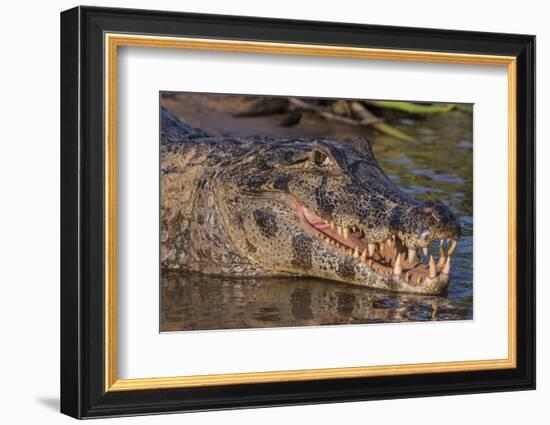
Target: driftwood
[366,117]
[350,112]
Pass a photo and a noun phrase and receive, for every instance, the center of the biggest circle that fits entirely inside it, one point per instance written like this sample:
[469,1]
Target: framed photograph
[261,212]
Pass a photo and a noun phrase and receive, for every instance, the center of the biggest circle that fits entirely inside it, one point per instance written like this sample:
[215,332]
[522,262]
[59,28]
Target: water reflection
[198,302]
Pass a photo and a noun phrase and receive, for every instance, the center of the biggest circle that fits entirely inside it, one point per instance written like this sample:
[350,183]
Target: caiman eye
[321,159]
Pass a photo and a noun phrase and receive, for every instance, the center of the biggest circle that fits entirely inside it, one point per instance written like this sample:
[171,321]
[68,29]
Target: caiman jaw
[389,258]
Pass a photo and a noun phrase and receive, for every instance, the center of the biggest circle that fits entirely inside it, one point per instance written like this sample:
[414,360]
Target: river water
[437,164]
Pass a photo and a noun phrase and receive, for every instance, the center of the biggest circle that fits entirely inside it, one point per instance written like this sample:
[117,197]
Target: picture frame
[90,40]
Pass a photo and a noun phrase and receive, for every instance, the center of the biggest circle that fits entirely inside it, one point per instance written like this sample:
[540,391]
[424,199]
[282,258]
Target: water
[436,165]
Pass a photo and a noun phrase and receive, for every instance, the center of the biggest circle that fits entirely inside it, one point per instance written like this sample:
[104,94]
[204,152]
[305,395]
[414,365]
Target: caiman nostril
[425,235]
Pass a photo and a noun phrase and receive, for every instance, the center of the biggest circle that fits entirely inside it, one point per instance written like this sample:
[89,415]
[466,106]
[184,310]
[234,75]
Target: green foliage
[387,129]
[413,108]
[466,107]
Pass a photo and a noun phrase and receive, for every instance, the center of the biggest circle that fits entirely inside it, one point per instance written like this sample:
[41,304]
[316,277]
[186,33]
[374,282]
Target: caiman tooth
[356,252]
[332,225]
[372,248]
[432,273]
[425,251]
[346,232]
[407,277]
[349,251]
[397,266]
[418,279]
[412,255]
[381,248]
[451,248]
[389,242]
[364,255]
[441,261]
[447,268]
[339,230]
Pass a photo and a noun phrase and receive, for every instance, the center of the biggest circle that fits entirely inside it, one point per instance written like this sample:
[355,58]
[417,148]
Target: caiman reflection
[199,302]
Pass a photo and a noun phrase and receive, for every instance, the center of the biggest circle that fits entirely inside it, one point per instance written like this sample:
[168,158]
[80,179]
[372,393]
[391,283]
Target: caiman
[259,206]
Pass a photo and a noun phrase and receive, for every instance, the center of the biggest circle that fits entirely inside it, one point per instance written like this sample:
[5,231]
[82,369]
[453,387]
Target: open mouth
[389,258]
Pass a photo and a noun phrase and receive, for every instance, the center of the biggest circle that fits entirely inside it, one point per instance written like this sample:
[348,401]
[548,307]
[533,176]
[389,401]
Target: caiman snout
[417,226]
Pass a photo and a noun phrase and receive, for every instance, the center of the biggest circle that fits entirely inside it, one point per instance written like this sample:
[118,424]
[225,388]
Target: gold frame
[113,41]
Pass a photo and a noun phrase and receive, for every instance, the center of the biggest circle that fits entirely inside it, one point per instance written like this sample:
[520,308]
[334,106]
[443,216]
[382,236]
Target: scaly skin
[306,207]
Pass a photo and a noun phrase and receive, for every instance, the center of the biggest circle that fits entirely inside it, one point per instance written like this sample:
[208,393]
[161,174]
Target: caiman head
[325,208]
